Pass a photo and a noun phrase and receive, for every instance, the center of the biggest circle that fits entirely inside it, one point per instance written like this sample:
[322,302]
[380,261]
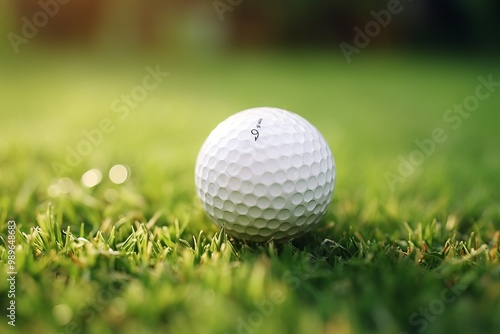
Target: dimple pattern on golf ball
[265,173]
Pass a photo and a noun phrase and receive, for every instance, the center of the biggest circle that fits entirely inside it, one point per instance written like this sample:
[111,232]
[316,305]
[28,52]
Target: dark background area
[160,24]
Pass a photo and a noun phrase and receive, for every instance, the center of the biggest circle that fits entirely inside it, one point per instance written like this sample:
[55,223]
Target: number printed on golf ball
[265,173]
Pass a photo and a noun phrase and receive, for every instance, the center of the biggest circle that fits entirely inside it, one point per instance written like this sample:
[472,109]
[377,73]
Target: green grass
[142,257]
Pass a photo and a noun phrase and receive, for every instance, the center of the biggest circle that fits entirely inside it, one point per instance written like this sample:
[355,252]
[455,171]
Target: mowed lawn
[409,243]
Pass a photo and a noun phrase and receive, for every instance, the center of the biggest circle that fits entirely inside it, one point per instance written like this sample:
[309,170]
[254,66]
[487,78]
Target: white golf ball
[265,173]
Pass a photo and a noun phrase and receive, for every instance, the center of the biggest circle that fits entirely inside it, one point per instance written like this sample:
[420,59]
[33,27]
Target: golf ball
[265,173]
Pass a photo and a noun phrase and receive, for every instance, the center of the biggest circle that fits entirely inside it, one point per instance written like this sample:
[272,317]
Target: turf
[142,257]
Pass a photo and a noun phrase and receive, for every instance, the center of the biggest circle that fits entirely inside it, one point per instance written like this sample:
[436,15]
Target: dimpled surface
[265,173]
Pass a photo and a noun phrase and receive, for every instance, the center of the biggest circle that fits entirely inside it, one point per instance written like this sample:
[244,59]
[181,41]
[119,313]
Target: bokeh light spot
[54,190]
[62,314]
[91,178]
[65,184]
[62,186]
[111,195]
[118,174]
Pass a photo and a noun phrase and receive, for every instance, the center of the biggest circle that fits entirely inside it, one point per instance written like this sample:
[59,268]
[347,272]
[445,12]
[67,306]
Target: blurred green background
[64,65]
[76,71]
